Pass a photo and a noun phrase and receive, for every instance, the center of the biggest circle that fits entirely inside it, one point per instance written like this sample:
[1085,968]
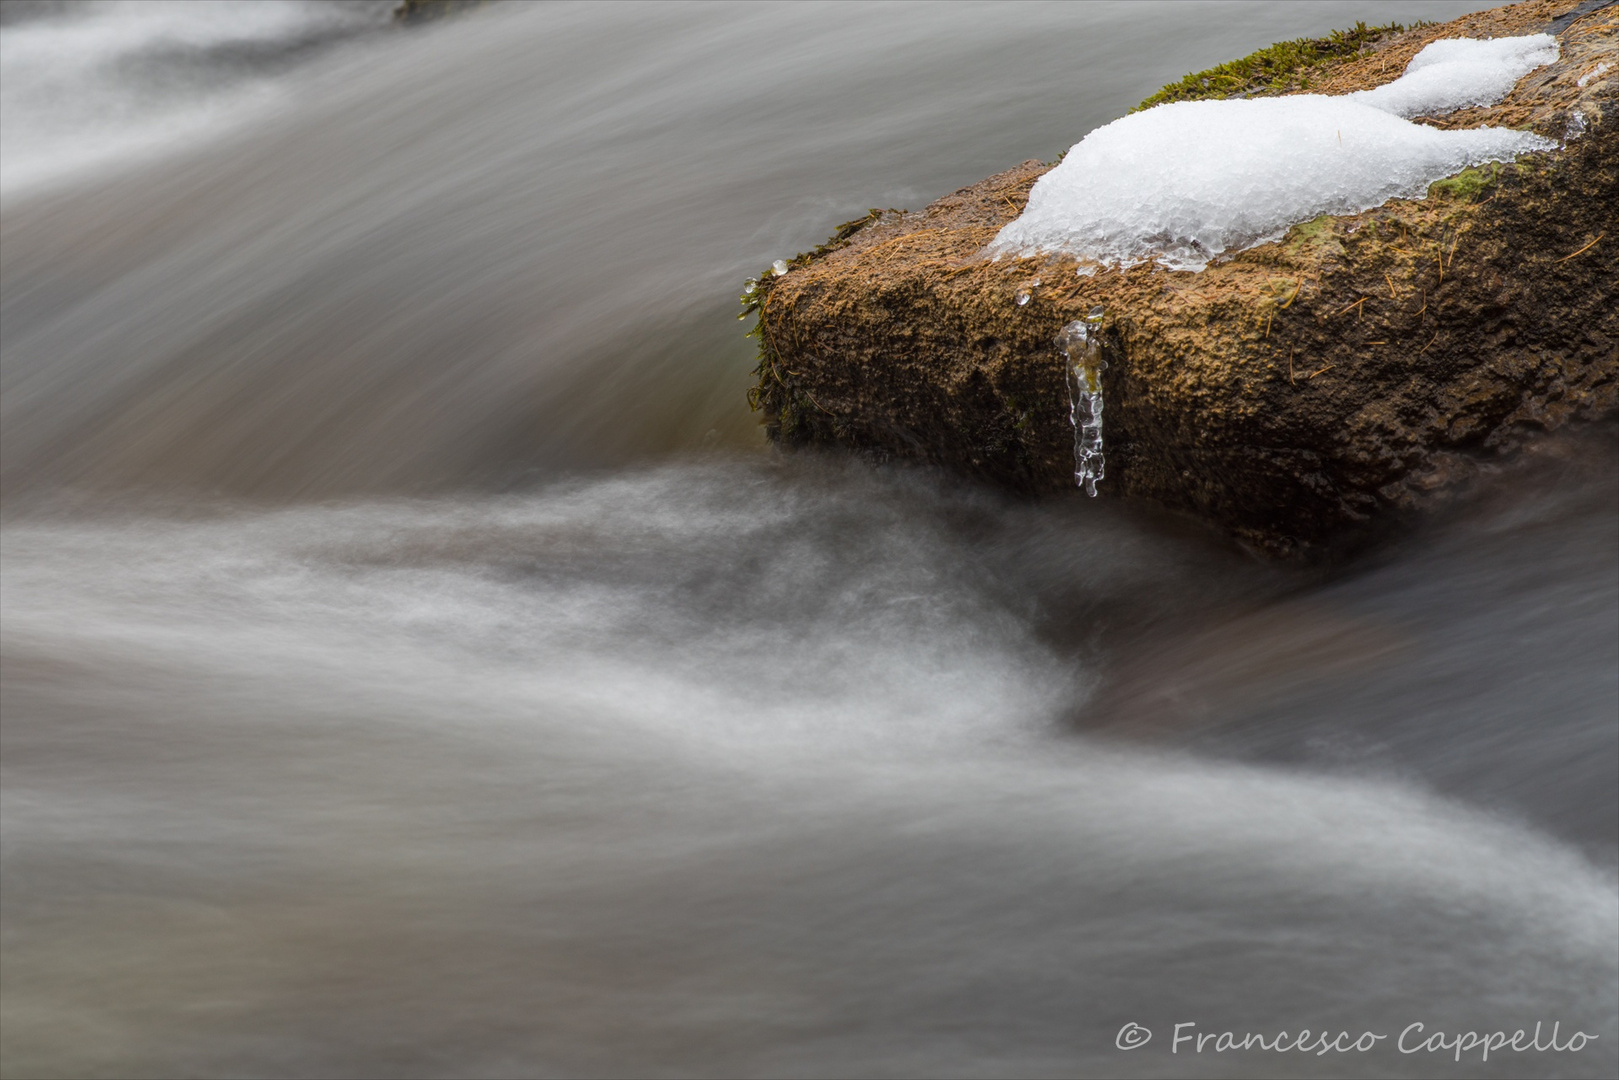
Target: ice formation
[1185,182]
[1081,343]
[1457,72]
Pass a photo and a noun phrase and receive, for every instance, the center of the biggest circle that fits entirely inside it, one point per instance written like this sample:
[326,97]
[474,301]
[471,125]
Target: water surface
[416,664]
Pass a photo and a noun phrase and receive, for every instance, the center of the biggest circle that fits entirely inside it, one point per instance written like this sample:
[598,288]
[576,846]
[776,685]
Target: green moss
[788,409]
[1283,66]
[1316,229]
[1315,238]
[1468,184]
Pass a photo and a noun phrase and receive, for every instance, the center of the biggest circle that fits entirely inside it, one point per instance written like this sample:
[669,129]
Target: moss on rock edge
[1275,69]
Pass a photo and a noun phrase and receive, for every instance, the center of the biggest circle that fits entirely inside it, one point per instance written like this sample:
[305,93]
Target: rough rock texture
[1296,394]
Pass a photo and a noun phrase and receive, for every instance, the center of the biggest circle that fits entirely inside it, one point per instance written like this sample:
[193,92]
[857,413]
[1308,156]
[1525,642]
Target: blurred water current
[415,664]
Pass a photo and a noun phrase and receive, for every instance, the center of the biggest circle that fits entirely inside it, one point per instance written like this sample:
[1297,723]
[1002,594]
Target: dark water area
[414,663]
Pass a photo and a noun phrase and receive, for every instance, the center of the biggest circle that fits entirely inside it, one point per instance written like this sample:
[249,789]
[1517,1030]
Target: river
[416,663]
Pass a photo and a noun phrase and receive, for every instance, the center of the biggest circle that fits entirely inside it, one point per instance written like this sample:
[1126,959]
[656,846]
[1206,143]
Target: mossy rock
[1284,66]
[1302,394]
[1468,184]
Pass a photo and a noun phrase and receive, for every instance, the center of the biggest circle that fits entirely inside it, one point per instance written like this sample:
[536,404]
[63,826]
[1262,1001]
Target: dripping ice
[1081,342]
[1185,182]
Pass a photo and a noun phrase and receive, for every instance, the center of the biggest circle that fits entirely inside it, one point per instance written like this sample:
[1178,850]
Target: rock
[1304,393]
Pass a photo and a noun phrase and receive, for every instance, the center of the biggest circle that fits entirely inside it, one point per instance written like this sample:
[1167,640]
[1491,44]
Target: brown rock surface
[1296,394]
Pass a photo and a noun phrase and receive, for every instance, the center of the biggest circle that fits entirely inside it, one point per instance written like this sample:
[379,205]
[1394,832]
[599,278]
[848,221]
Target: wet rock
[1302,394]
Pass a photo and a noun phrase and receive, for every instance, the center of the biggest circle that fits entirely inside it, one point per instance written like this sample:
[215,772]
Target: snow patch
[1186,182]
[1460,72]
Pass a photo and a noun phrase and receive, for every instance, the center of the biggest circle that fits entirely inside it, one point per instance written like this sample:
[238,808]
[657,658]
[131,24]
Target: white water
[413,665]
[131,79]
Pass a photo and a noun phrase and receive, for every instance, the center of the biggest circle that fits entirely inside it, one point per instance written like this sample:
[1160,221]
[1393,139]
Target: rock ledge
[1298,394]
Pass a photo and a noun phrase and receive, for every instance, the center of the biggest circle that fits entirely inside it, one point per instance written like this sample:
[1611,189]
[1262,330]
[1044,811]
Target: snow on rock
[1185,182]
[1458,72]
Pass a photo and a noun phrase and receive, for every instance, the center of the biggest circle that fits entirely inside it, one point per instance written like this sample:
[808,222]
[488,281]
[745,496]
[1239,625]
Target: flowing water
[416,664]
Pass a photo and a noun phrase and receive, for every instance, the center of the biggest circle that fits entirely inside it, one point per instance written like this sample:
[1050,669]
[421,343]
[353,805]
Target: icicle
[1081,343]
